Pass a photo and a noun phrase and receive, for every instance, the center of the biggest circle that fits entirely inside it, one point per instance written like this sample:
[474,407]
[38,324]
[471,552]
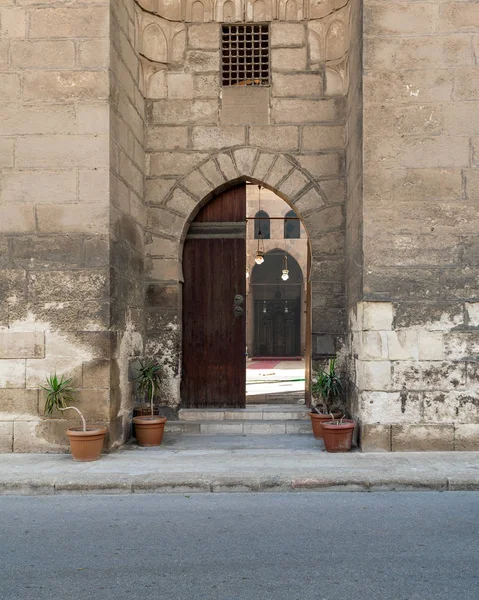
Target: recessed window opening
[245,54]
[292,227]
[261,225]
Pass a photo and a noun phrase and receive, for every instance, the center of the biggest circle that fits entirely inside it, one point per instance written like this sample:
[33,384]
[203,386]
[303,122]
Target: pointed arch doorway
[214,311]
[214,305]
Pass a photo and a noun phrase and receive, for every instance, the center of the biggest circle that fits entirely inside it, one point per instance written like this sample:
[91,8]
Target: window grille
[245,54]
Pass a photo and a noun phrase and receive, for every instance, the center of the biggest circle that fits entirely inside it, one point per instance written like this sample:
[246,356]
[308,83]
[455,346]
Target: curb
[224,484]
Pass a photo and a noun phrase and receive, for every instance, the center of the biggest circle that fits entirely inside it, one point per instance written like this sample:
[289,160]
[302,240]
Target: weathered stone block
[438,375]
[284,35]
[402,344]
[38,186]
[457,17]
[182,202]
[285,110]
[390,407]
[418,437]
[294,185]
[450,406]
[205,85]
[47,435]
[375,438]
[52,86]
[308,202]
[248,105]
[245,159]
[212,173]
[85,218]
[288,59]
[466,84]
[322,164]
[204,36]
[6,437]
[182,112]
[173,163]
[374,345]
[94,53]
[433,52]
[466,437]
[12,373]
[378,315]
[49,54]
[412,87]
[160,137]
[69,22]
[9,87]
[430,345]
[180,86]
[6,152]
[17,218]
[280,138]
[82,285]
[206,138]
[472,309]
[13,22]
[62,151]
[18,404]
[461,345]
[398,19]
[165,221]
[297,85]
[419,120]
[323,137]
[19,344]
[198,61]
[156,190]
[373,375]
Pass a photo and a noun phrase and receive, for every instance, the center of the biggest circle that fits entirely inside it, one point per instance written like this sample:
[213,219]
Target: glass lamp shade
[285,275]
[259,259]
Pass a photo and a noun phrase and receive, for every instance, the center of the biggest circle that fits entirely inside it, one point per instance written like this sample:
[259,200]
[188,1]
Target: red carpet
[264,364]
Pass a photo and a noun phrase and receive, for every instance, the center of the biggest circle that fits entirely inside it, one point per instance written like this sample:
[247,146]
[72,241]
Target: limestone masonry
[115,128]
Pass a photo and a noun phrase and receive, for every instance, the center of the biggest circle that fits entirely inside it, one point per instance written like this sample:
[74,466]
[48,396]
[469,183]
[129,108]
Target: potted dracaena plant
[326,390]
[149,428]
[336,431]
[86,443]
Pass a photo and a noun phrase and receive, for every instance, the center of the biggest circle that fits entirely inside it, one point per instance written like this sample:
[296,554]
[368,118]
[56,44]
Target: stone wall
[202,137]
[127,213]
[417,348]
[54,249]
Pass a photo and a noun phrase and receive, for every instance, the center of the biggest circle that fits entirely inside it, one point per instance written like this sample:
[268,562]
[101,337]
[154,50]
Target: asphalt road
[331,546]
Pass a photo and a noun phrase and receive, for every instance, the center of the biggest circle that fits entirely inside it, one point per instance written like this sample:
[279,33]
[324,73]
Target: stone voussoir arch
[276,171]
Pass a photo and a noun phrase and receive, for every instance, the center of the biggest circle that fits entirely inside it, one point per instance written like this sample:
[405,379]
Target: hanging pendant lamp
[259,258]
[285,271]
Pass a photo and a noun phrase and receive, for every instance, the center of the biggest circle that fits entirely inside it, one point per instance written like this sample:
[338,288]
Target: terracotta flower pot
[338,437]
[316,421]
[149,430]
[86,445]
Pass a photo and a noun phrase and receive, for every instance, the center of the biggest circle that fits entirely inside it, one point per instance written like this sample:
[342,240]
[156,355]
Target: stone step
[252,412]
[256,427]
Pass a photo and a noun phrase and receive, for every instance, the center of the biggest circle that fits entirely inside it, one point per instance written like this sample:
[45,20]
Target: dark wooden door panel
[214,335]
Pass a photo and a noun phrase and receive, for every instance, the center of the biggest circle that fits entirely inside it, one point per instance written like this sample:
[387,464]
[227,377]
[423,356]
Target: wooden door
[214,308]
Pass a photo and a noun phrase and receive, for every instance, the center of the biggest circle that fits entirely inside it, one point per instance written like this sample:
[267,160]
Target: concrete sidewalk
[189,464]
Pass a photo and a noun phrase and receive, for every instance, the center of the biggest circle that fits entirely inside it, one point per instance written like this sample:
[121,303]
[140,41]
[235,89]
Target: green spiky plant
[149,378]
[327,387]
[59,394]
